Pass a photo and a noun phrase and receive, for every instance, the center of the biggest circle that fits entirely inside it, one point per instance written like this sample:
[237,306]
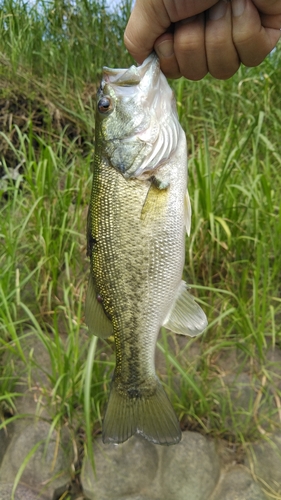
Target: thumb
[147,22]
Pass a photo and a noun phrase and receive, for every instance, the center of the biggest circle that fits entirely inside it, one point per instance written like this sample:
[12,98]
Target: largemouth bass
[138,216]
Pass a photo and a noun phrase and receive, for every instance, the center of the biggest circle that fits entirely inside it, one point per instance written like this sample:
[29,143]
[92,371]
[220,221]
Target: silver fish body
[138,216]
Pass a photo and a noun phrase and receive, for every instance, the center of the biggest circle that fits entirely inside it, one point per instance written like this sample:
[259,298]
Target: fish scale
[136,241]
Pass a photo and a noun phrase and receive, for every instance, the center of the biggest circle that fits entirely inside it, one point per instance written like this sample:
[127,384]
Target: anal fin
[97,321]
[185,316]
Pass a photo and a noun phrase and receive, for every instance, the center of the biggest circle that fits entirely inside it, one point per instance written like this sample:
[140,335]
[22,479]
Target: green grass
[48,76]
[233,254]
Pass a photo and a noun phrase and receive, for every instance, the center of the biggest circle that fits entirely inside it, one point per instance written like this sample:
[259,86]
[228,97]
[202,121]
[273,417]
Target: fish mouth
[134,75]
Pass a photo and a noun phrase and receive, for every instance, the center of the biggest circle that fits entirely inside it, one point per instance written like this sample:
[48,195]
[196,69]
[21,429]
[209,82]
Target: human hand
[194,37]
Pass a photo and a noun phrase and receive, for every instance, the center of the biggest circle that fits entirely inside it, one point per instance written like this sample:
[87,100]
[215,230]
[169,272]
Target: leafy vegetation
[51,55]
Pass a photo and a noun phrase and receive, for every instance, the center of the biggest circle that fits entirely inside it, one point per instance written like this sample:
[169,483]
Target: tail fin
[152,417]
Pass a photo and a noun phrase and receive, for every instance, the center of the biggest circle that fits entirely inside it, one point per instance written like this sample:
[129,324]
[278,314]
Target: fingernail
[165,48]
[238,7]
[217,11]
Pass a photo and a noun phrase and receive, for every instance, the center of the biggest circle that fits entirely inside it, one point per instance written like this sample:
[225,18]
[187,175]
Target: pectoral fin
[156,199]
[97,321]
[186,316]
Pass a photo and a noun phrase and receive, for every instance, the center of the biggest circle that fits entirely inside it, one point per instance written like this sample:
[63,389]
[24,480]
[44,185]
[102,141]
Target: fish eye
[105,105]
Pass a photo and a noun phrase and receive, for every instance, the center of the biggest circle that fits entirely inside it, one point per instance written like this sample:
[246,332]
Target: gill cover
[139,127]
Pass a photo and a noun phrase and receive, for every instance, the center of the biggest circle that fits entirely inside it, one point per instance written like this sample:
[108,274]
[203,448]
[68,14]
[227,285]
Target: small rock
[5,438]
[38,360]
[237,484]
[22,493]
[190,469]
[229,453]
[122,471]
[32,377]
[264,458]
[138,497]
[237,397]
[48,466]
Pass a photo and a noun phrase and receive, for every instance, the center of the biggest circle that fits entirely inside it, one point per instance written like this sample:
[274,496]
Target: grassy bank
[51,57]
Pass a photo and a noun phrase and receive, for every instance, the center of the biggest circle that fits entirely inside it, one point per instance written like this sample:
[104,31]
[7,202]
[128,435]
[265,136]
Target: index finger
[270,13]
[151,18]
[269,7]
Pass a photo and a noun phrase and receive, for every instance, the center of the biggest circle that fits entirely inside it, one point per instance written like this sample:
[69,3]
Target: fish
[138,216]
